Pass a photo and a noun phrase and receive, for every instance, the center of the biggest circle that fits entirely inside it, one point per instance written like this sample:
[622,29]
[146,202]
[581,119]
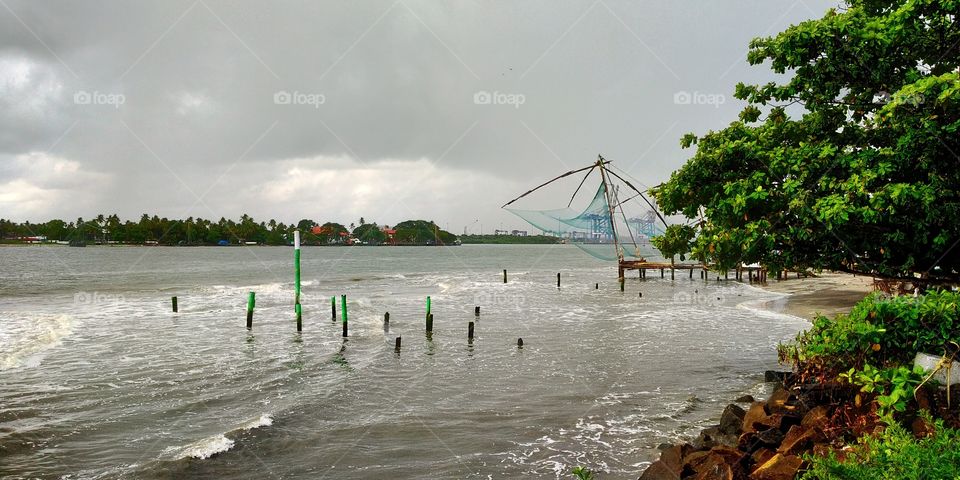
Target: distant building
[518,233]
[501,232]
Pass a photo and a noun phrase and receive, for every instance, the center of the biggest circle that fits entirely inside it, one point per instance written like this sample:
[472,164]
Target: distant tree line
[510,239]
[200,231]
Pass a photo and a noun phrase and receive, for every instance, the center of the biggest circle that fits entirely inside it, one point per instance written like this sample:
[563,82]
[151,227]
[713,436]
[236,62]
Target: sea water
[99,379]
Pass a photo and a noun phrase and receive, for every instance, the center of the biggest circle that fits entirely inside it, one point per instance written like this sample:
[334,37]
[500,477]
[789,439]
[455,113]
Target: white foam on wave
[206,447]
[25,337]
[262,421]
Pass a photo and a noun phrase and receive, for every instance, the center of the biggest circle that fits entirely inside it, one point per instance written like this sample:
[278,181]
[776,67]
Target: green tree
[849,164]
[675,241]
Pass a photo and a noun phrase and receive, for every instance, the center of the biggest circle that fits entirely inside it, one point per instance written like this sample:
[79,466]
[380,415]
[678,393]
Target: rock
[712,437]
[757,418]
[716,464]
[779,401]
[748,442]
[658,471]
[777,377]
[672,458]
[731,421]
[744,399]
[797,439]
[692,458]
[817,417]
[770,437]
[762,455]
[778,467]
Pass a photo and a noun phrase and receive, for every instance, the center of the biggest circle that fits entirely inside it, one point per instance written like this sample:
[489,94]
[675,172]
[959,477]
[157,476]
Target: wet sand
[827,294]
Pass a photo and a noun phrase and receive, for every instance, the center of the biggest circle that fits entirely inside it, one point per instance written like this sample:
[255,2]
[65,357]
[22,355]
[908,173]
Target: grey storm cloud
[333,110]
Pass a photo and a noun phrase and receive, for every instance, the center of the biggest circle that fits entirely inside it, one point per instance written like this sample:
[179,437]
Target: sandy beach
[828,294]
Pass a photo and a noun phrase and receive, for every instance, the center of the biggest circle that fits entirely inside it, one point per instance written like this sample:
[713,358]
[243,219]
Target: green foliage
[676,240]
[422,232]
[893,386]
[583,473]
[894,453]
[369,233]
[850,163]
[880,331]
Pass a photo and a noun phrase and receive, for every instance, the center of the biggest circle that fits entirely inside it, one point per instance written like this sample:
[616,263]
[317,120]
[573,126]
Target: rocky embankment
[765,441]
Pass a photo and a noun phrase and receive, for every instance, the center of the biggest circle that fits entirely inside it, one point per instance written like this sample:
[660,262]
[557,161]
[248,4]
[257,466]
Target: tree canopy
[851,163]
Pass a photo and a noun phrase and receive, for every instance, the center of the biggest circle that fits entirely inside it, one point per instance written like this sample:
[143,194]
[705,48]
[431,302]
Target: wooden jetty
[754,273]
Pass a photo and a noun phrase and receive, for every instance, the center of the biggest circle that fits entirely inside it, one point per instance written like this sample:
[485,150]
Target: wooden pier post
[470,331]
[519,343]
[333,308]
[430,323]
[343,310]
[661,273]
[596,287]
[476,311]
[672,270]
[504,275]
[397,345]
[251,302]
[386,322]
[691,274]
[558,280]
[173,300]
[621,284]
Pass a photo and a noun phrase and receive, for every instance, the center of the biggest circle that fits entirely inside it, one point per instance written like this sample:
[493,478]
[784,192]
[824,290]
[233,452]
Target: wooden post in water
[519,343]
[691,274]
[661,273]
[430,322]
[251,302]
[397,345]
[470,330]
[558,280]
[343,312]
[386,322]
[333,308]
[621,284]
[596,287]
[296,279]
[173,300]
[671,272]
[476,311]
[504,275]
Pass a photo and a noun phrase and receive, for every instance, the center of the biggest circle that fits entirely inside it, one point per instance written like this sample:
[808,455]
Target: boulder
[731,421]
[672,457]
[762,455]
[658,471]
[744,399]
[817,417]
[712,437]
[773,376]
[770,437]
[797,439]
[757,418]
[778,467]
[716,464]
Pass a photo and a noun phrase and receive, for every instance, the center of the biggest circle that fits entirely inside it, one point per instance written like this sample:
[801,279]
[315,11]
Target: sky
[387,110]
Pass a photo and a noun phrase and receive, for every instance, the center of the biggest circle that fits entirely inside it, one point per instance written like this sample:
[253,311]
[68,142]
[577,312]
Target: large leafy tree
[852,162]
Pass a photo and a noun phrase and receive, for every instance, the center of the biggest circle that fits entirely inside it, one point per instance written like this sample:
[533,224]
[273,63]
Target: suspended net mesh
[591,229]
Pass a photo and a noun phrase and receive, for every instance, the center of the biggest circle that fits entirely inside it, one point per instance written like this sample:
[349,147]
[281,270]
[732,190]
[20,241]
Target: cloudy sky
[335,110]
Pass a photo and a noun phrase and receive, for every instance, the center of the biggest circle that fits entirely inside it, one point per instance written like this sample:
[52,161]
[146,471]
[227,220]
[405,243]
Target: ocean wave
[217,444]
[26,337]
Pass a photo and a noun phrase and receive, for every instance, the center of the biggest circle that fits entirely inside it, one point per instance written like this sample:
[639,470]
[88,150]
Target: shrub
[879,330]
[893,453]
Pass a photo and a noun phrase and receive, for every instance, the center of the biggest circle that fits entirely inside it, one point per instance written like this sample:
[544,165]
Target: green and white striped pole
[296,270]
